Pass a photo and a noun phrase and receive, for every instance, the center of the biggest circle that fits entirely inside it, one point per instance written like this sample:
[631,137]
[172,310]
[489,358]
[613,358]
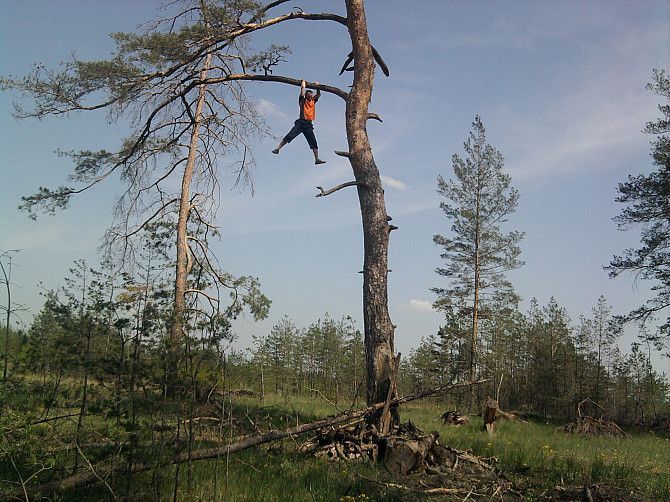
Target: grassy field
[537,454]
[534,455]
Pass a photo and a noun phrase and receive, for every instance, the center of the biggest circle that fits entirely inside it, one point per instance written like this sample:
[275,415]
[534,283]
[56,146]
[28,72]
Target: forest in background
[540,363]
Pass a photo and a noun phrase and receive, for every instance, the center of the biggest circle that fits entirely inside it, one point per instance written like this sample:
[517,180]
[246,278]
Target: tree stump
[489,415]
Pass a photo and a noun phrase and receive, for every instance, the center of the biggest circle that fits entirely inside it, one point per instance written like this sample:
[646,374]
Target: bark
[377,324]
[475,310]
[183,261]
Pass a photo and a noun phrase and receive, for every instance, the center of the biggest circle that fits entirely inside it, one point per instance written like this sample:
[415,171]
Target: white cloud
[598,114]
[269,109]
[421,305]
[394,183]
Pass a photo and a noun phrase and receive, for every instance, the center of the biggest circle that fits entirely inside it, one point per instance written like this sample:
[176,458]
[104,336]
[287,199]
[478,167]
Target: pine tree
[648,204]
[477,253]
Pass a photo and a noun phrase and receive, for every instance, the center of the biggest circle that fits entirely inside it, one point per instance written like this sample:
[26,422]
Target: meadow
[535,456]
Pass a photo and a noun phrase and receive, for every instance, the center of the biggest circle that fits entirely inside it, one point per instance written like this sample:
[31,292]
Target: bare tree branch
[338,187]
[272,78]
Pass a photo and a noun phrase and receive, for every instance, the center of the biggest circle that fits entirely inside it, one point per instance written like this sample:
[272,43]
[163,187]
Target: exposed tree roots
[419,463]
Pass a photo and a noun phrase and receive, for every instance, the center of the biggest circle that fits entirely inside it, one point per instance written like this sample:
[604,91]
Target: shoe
[275,151]
[319,161]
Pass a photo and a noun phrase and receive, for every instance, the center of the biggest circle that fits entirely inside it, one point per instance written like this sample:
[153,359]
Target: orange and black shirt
[308,106]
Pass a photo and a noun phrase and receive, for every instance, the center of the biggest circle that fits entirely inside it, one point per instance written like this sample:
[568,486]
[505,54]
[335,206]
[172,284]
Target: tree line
[542,363]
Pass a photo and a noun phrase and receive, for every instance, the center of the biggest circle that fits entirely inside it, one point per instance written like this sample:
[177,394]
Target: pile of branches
[425,465]
[453,417]
[348,442]
[586,425]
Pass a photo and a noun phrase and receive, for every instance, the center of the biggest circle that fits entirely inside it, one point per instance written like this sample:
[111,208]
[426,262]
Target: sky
[559,86]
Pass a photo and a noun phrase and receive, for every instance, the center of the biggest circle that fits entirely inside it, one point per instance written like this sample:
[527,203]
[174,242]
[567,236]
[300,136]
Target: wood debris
[453,417]
[417,459]
[586,425]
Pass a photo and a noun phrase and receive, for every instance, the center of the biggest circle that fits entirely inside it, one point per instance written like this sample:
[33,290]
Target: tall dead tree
[379,330]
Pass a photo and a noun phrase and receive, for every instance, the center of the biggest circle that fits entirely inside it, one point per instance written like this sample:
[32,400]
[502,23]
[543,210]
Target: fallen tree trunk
[102,471]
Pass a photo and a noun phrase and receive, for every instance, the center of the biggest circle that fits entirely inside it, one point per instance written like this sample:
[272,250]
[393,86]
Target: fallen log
[103,470]
[318,424]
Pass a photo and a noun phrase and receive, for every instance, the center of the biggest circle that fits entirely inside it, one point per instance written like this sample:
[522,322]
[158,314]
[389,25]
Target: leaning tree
[181,82]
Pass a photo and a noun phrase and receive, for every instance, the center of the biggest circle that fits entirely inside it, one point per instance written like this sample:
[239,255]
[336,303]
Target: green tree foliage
[327,357]
[181,130]
[547,365]
[477,252]
[478,201]
[151,82]
[647,199]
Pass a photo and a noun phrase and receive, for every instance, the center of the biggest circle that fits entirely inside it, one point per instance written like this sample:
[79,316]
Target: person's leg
[311,140]
[317,160]
[295,130]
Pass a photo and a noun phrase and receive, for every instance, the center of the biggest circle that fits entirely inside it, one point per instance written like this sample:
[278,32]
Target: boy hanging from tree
[307,101]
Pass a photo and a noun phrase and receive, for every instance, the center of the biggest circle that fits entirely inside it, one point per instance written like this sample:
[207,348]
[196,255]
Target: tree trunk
[8,278]
[475,309]
[183,262]
[377,323]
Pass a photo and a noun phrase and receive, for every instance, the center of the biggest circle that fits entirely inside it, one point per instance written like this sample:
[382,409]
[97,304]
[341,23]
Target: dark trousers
[305,127]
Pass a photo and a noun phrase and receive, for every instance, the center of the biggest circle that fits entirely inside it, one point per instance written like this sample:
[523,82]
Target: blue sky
[559,86]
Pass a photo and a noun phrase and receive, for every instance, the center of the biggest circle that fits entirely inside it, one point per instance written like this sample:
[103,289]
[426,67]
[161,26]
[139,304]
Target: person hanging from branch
[307,101]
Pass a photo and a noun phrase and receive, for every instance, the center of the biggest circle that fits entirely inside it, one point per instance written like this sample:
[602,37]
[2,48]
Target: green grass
[547,457]
[534,455]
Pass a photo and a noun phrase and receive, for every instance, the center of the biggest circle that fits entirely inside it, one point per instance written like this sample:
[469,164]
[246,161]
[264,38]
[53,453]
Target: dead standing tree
[167,74]
[381,363]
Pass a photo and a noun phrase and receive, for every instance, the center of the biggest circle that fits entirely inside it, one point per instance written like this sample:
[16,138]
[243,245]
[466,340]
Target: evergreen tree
[603,337]
[477,253]
[648,204]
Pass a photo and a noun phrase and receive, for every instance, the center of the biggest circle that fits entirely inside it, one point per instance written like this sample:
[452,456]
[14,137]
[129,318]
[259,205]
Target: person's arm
[303,85]
[318,93]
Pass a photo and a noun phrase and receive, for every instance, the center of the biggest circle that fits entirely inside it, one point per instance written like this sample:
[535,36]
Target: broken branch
[338,187]
[380,61]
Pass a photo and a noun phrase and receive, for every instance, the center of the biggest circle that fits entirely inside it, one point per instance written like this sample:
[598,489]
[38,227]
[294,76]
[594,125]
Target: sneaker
[275,151]
[319,161]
